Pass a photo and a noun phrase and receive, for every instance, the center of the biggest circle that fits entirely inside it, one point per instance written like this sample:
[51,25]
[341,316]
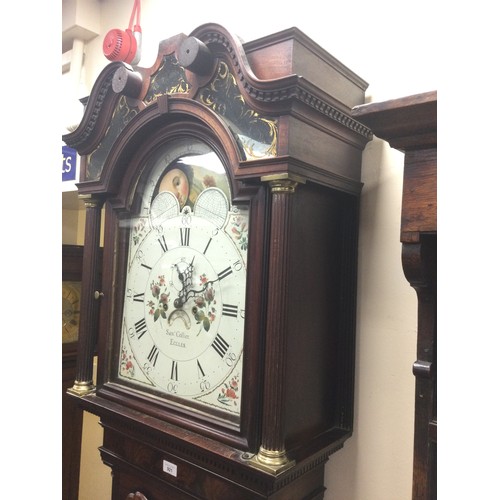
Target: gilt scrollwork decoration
[122,114]
[169,79]
[257,134]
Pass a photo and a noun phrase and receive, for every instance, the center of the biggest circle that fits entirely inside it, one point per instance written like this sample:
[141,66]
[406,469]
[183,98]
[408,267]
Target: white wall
[390,46]
[376,463]
[397,58]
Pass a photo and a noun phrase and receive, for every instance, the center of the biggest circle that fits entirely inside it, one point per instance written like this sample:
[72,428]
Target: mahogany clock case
[276,112]
[212,423]
[321,244]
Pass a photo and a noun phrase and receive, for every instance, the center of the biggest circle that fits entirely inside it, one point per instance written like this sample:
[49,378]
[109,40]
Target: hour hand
[185,276]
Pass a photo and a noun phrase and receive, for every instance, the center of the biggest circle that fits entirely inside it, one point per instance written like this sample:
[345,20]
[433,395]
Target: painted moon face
[176,182]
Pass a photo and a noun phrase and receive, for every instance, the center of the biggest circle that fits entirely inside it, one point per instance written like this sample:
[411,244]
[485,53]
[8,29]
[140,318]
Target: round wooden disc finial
[127,81]
[195,56]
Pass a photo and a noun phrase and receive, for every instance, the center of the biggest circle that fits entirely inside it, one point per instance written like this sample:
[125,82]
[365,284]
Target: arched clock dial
[183,320]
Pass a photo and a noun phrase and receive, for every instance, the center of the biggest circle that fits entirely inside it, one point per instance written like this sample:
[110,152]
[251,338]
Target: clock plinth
[227,313]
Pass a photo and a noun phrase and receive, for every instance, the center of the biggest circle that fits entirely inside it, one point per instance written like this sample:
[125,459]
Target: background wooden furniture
[72,415]
[409,124]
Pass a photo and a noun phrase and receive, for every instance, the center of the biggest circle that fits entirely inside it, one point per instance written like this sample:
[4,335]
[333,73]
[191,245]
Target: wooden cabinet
[409,124]
[72,415]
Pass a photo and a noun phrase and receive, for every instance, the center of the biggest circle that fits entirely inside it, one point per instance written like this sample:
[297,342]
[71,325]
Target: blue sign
[68,164]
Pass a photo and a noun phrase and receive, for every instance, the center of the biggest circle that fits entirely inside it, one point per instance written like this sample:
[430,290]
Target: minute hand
[194,293]
[223,274]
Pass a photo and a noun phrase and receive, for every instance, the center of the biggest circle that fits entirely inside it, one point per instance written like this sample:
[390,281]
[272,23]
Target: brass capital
[283,183]
[90,201]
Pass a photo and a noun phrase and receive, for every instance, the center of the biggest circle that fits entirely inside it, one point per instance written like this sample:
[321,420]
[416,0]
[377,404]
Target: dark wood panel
[405,123]
[72,420]
[419,204]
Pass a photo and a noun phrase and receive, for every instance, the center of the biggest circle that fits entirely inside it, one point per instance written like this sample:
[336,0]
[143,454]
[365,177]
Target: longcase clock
[230,178]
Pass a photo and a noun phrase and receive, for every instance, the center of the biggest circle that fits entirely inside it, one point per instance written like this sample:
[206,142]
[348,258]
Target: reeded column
[89,302]
[272,454]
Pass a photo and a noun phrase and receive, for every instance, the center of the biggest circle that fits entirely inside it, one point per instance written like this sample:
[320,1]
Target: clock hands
[185,279]
[186,293]
[194,293]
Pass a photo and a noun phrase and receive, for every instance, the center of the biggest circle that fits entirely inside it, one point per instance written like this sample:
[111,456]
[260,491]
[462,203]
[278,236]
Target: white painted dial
[183,323]
[185,303]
